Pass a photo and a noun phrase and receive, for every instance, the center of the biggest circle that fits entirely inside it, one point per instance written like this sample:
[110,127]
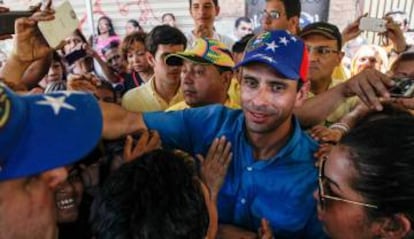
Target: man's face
[243,29]
[323,57]
[275,18]
[162,71]
[27,206]
[55,72]
[404,69]
[201,84]
[267,99]
[114,59]
[204,12]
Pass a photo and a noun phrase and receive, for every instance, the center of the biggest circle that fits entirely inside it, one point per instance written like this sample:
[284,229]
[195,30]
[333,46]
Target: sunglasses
[320,50]
[322,183]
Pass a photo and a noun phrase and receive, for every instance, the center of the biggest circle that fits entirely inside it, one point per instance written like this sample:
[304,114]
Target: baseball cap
[284,52]
[323,28]
[203,51]
[42,132]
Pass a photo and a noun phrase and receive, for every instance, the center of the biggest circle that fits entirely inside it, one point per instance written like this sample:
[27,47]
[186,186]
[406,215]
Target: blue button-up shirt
[278,189]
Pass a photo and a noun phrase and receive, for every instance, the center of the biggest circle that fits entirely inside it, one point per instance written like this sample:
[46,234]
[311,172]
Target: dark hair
[382,153]
[239,46]
[108,86]
[111,29]
[130,40]
[135,23]
[109,46]
[167,14]
[292,7]
[164,34]
[57,58]
[240,20]
[214,1]
[406,56]
[155,196]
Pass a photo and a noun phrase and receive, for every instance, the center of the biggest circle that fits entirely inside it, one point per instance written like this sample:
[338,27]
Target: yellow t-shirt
[234,91]
[182,105]
[146,99]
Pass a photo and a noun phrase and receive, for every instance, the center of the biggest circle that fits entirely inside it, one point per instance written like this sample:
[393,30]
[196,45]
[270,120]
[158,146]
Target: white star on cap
[283,40]
[272,46]
[56,103]
[293,39]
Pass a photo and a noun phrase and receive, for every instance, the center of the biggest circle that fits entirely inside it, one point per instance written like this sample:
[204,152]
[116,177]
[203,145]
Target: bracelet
[405,49]
[341,126]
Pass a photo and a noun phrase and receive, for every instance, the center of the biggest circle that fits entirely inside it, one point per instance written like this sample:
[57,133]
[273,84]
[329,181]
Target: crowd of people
[203,135]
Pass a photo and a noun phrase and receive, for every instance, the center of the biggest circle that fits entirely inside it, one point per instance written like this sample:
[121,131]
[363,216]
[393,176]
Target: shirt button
[249,169]
[243,201]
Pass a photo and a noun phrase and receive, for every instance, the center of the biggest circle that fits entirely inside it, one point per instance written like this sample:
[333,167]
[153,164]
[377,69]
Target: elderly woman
[369,56]
[366,183]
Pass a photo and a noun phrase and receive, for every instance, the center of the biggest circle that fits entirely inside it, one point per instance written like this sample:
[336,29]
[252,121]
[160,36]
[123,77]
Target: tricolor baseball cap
[284,52]
[204,51]
[42,132]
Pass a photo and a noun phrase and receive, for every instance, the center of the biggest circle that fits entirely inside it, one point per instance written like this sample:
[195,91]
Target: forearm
[36,71]
[316,109]
[13,70]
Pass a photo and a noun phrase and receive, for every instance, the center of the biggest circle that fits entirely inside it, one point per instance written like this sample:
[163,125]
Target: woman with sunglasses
[366,183]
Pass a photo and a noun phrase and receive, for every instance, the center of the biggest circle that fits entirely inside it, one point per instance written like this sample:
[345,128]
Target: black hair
[292,7]
[214,1]
[155,196]
[135,23]
[109,46]
[167,14]
[111,29]
[382,153]
[164,34]
[108,86]
[240,20]
[239,46]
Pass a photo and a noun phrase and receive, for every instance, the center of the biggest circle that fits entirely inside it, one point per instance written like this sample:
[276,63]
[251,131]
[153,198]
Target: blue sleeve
[191,130]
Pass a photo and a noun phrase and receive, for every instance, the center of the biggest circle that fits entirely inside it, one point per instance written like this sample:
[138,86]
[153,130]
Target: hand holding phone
[372,24]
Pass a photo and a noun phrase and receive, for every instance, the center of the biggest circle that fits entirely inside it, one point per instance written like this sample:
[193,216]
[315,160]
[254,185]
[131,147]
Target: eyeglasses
[320,50]
[323,196]
[273,14]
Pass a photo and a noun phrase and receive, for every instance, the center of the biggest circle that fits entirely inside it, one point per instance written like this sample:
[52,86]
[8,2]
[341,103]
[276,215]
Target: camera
[75,55]
[404,87]
[372,24]
[7,20]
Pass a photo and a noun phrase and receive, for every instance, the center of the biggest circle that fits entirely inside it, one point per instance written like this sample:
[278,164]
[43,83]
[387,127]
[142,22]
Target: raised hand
[148,141]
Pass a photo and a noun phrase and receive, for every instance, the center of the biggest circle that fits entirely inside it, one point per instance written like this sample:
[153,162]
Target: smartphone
[7,20]
[372,24]
[75,56]
[404,87]
[64,24]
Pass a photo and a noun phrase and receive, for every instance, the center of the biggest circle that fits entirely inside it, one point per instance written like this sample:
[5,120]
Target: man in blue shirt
[272,174]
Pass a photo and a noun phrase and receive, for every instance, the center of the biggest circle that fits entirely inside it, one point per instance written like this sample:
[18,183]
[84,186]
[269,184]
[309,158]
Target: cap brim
[47,140]
[280,68]
[177,59]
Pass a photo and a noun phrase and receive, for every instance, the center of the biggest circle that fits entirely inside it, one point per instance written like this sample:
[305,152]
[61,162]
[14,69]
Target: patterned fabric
[204,51]
[282,51]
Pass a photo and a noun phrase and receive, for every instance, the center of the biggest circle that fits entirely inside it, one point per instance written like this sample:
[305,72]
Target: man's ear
[302,94]
[150,59]
[293,25]
[396,227]
[226,78]
[217,10]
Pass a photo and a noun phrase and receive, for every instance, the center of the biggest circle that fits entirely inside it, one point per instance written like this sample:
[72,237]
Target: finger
[142,142]
[200,158]
[5,37]
[128,148]
[212,150]
[154,141]
[227,154]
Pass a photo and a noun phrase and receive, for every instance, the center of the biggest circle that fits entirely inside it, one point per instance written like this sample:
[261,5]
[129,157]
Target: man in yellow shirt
[206,74]
[162,90]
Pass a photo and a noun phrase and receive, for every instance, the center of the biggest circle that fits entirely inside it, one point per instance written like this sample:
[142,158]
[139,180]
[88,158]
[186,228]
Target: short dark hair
[382,153]
[167,14]
[164,34]
[109,46]
[292,7]
[214,1]
[129,40]
[155,196]
[240,20]
[135,23]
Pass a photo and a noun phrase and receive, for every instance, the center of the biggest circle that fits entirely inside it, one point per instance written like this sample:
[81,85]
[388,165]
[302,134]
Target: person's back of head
[164,35]
[154,196]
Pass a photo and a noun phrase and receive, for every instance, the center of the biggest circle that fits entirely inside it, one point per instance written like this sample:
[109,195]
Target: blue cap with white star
[285,53]
[42,132]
